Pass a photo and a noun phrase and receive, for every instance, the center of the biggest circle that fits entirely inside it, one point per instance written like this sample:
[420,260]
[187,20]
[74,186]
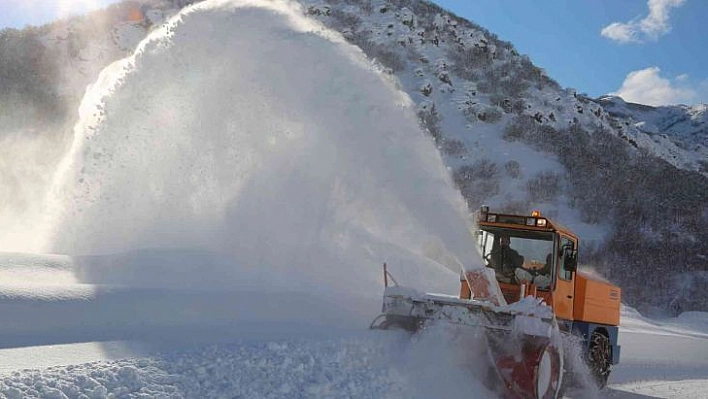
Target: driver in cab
[504,259]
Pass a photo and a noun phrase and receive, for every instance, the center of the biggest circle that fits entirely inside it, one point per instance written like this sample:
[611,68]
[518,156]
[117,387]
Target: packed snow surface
[281,357]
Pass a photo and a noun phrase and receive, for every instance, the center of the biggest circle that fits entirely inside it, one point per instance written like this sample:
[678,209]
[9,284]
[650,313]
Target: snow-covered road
[365,364]
[311,352]
[662,358]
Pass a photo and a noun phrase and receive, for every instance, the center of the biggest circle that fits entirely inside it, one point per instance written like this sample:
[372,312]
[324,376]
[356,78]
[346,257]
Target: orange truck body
[581,297]
[584,304]
[596,301]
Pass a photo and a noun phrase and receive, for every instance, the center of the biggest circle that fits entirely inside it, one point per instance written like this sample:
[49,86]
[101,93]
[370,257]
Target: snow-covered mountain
[677,134]
[515,140]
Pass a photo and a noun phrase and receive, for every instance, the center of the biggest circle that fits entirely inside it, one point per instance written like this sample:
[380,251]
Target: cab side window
[565,274]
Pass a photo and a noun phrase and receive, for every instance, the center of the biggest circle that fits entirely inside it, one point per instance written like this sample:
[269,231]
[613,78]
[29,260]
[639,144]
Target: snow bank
[696,320]
[346,368]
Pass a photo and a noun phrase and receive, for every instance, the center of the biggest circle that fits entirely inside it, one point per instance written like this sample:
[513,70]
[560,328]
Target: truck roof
[535,222]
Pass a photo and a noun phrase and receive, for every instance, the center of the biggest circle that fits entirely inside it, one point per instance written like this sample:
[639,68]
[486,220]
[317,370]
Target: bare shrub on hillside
[453,147]
[703,166]
[513,169]
[544,187]
[508,78]
[424,8]
[530,73]
[550,138]
[497,99]
[342,20]
[490,115]
[468,60]
[547,81]
[519,128]
[477,182]
[518,106]
[485,86]
[379,52]
[513,86]
[482,113]
[429,119]
[366,6]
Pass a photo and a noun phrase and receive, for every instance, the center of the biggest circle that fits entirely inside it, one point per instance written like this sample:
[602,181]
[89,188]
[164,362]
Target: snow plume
[244,130]
[444,360]
[650,27]
[26,165]
[581,382]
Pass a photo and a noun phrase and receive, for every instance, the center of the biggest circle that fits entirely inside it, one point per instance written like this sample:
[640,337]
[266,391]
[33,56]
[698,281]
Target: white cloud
[655,24]
[646,86]
[58,8]
[702,90]
[619,32]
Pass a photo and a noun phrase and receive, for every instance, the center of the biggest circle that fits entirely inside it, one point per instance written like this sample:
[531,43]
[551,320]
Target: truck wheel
[599,357]
[410,325]
[549,374]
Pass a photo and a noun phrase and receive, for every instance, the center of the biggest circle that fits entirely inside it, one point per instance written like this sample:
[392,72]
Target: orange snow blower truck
[528,260]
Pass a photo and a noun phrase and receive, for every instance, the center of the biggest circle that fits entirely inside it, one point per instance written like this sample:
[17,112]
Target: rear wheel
[599,358]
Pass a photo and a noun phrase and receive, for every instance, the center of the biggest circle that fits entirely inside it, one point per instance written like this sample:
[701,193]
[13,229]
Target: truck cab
[532,255]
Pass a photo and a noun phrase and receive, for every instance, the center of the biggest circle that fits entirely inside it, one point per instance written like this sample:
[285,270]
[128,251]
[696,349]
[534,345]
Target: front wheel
[388,322]
[549,376]
[534,372]
[599,358]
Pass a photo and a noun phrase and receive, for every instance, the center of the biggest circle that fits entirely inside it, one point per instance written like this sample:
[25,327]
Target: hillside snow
[677,134]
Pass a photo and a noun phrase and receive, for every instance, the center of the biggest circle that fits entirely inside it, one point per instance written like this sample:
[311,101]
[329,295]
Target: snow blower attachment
[523,343]
[525,292]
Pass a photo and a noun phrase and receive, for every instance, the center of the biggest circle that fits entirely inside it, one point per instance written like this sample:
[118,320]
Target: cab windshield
[517,255]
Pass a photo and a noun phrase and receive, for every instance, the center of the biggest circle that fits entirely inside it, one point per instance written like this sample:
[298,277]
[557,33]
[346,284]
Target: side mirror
[570,257]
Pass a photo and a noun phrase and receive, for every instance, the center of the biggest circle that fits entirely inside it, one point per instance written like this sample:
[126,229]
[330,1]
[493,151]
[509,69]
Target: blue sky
[19,13]
[665,61]
[648,51]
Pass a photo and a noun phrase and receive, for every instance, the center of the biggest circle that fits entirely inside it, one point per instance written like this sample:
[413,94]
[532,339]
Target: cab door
[565,279]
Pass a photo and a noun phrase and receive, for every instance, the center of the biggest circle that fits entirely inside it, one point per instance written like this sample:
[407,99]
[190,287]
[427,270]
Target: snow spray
[244,129]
